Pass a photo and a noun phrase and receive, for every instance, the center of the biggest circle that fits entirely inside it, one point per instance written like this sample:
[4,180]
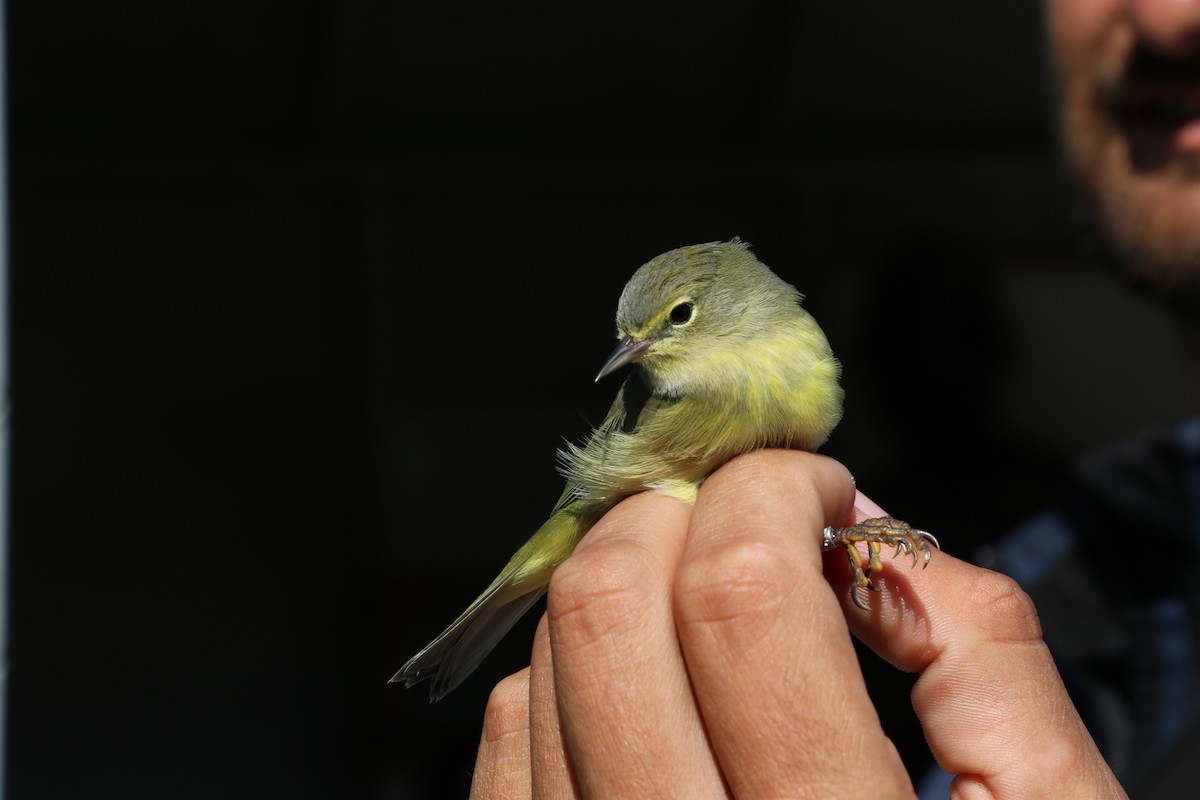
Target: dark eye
[681,313]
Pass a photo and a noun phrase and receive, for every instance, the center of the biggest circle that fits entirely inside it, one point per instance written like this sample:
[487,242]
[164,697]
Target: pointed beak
[628,351]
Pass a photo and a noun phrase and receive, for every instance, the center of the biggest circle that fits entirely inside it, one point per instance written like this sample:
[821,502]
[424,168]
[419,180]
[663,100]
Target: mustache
[1149,66]
[1147,81]
[1149,98]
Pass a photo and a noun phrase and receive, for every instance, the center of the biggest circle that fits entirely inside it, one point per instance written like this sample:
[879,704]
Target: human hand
[700,652]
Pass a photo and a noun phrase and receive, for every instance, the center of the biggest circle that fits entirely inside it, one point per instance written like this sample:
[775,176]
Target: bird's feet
[877,532]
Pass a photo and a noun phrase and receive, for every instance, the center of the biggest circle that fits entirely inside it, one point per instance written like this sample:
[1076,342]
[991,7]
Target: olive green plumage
[725,361]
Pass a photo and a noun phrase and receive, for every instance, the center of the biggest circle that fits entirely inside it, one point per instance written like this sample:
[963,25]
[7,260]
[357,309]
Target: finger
[502,767]
[769,654]
[553,778]
[992,704]
[624,700]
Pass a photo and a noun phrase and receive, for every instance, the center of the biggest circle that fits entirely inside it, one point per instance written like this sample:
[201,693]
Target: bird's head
[688,306]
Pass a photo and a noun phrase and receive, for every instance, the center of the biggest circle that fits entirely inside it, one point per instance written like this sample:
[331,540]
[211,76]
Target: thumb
[992,704]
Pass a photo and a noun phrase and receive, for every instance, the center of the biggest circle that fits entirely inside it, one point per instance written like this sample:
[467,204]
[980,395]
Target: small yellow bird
[725,361]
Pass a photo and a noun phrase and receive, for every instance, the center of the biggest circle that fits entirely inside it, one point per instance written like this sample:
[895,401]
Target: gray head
[680,306]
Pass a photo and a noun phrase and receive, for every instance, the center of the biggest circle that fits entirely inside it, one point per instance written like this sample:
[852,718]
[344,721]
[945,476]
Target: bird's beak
[628,351]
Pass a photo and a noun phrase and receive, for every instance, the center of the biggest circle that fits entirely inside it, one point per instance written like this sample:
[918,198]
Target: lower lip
[1153,139]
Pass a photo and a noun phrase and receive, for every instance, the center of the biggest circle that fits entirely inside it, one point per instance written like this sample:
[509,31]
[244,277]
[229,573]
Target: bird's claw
[877,532]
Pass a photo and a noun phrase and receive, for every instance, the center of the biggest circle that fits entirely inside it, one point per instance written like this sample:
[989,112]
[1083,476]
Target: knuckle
[594,594]
[741,585]
[1003,600]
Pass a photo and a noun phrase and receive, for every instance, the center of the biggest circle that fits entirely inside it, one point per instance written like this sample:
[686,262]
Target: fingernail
[866,507]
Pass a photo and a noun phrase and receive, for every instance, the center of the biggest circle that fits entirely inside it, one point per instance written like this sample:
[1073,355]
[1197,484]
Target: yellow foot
[877,532]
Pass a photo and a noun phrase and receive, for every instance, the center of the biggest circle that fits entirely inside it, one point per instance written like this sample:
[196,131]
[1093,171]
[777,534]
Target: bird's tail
[459,649]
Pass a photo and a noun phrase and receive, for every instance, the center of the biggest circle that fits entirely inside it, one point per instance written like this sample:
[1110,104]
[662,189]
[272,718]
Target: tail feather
[458,650]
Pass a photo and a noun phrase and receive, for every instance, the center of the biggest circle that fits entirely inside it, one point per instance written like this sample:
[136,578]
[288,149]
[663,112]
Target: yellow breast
[777,390]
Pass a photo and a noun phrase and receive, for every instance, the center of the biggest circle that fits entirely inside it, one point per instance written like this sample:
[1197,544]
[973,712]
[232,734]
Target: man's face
[1129,80]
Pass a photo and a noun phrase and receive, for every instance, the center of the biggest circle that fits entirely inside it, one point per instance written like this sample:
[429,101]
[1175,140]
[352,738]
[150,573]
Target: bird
[724,360]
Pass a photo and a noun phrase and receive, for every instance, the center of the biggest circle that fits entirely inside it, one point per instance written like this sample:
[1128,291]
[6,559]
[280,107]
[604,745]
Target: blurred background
[306,294]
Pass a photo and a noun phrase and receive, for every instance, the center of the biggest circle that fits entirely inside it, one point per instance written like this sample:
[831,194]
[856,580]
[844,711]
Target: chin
[1150,215]
[1153,221]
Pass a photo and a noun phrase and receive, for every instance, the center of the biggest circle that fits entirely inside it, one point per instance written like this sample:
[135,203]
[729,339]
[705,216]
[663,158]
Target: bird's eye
[681,313]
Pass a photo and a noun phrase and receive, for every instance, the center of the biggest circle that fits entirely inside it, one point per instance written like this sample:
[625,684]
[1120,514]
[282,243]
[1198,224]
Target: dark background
[306,294]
